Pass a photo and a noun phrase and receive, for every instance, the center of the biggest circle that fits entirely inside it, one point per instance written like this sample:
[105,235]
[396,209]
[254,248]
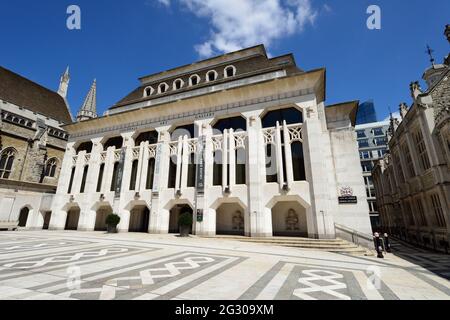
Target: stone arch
[230,219]
[24,214]
[176,208]
[139,217]
[102,210]
[72,218]
[289,216]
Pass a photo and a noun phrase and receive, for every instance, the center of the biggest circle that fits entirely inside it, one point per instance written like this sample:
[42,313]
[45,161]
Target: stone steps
[330,245]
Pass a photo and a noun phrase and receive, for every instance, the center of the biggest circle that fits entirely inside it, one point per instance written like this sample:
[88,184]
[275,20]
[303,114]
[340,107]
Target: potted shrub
[112,221]
[185,224]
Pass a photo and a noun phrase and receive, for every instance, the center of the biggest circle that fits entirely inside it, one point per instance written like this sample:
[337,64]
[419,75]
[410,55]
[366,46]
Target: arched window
[115,177]
[192,171]
[150,174]
[217,168]
[113,142]
[100,177]
[235,123]
[163,88]
[50,168]
[229,71]
[72,176]
[298,161]
[194,80]
[83,180]
[150,136]
[241,160]
[181,131]
[290,115]
[134,168]
[271,164]
[211,76]
[85,146]
[148,91]
[6,163]
[178,84]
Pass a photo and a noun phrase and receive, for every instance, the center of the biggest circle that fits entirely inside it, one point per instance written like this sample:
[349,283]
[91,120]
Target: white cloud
[164,2]
[236,24]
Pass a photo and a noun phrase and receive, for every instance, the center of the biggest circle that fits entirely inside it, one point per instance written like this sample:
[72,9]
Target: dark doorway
[100,219]
[73,216]
[139,219]
[47,217]
[23,217]
[175,215]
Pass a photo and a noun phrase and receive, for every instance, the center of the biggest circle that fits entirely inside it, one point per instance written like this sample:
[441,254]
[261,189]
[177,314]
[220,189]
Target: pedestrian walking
[378,245]
[387,243]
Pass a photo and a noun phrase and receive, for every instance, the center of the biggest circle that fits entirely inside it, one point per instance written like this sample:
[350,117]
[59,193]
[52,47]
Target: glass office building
[366,113]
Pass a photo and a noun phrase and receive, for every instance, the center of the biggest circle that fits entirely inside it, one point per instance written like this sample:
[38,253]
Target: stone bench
[8,225]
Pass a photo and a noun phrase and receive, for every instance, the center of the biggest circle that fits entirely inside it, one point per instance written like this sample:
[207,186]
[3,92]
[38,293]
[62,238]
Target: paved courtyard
[94,265]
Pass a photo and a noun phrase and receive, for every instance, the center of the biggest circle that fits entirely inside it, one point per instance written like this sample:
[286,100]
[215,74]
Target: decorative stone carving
[292,221]
[403,110]
[415,89]
[238,221]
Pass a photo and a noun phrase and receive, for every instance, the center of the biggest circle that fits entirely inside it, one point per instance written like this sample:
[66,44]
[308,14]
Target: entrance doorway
[230,219]
[23,217]
[100,218]
[175,213]
[139,219]
[289,219]
[73,216]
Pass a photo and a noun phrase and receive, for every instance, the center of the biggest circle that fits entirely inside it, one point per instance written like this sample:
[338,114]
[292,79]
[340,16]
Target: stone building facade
[32,147]
[413,180]
[242,142]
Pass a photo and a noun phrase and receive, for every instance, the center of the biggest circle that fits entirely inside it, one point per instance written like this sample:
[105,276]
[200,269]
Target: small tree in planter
[112,221]
[185,224]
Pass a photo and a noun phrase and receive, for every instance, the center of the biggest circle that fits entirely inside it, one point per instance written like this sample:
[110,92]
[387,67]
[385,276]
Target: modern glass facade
[366,113]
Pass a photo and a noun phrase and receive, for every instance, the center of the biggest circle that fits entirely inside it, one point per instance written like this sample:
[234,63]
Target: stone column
[184,163]
[232,159]
[288,155]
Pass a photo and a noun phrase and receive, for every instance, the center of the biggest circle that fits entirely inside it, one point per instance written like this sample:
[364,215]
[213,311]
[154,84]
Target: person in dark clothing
[387,243]
[378,245]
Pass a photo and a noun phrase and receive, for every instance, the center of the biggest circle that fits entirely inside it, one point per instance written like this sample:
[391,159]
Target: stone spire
[393,125]
[89,108]
[64,84]
[403,110]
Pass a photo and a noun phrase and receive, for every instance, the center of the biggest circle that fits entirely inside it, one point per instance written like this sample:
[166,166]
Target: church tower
[64,84]
[89,108]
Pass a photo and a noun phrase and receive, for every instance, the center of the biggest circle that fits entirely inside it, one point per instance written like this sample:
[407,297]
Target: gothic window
[409,162]
[181,131]
[83,180]
[100,177]
[172,172]
[85,146]
[134,168]
[192,171]
[271,164]
[399,170]
[150,174]
[194,80]
[217,168]
[211,76]
[290,115]
[235,123]
[6,163]
[229,71]
[421,150]
[163,88]
[421,213]
[50,168]
[115,177]
[72,176]
[113,142]
[240,166]
[150,136]
[298,161]
[439,213]
[178,84]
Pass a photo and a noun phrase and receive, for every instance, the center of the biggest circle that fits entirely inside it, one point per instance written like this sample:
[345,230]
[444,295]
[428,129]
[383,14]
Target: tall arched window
[83,180]
[150,136]
[290,115]
[6,163]
[217,168]
[85,146]
[134,169]
[72,176]
[50,168]
[192,171]
[240,166]
[271,164]
[113,142]
[100,177]
[298,161]
[235,123]
[181,131]
[172,172]
[115,177]
[150,173]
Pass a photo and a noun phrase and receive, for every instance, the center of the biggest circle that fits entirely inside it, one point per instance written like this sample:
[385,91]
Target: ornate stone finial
[447,32]
[403,110]
[64,84]
[89,108]
[394,123]
[415,89]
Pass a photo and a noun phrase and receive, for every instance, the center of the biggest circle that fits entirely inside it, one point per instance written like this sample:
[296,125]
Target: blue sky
[123,40]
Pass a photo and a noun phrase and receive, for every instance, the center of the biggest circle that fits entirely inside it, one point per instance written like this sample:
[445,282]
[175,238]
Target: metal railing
[354,236]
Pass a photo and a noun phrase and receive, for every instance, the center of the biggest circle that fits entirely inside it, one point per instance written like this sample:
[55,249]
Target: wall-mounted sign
[157,169]
[199,215]
[347,196]
[201,165]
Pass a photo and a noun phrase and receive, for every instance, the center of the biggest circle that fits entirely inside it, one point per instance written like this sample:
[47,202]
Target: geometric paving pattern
[96,266]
